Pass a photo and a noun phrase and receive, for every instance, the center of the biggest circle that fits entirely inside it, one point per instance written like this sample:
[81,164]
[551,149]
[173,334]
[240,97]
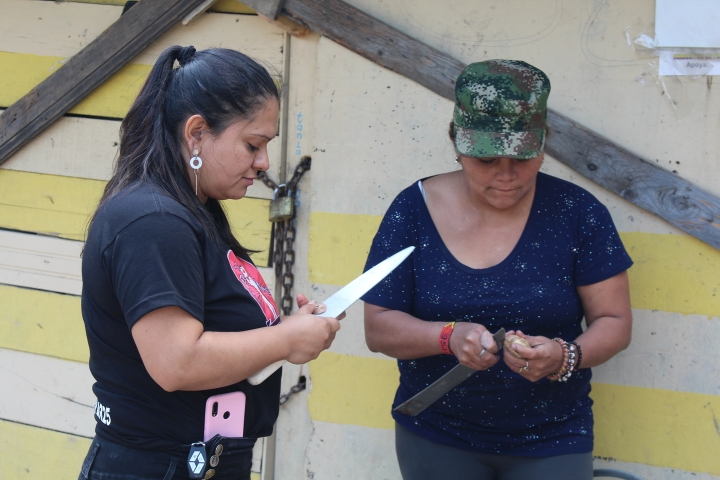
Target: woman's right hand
[307,334]
[469,340]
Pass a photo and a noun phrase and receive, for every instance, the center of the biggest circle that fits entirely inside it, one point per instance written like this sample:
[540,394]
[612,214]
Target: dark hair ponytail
[221,85]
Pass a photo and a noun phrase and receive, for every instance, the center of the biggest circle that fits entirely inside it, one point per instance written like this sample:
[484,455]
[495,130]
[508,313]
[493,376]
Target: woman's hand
[542,358]
[308,334]
[302,300]
[474,346]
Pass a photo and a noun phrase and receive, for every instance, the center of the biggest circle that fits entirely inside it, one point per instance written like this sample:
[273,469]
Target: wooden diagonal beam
[638,181]
[87,70]
[378,42]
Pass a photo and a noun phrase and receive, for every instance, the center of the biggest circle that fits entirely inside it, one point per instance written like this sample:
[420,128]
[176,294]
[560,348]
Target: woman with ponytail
[175,311]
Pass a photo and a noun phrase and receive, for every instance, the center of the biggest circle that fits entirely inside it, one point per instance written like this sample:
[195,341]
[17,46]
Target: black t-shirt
[146,251]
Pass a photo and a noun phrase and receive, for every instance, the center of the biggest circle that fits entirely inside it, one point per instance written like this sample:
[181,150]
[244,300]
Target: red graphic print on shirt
[255,285]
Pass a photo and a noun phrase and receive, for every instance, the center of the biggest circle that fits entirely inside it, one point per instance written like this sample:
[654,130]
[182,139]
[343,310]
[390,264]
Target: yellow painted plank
[223,6]
[255,476]
[673,273]
[339,244]
[353,390]
[31,453]
[48,204]
[57,205]
[112,99]
[231,6]
[249,222]
[45,323]
[642,425]
[658,427]
[100,2]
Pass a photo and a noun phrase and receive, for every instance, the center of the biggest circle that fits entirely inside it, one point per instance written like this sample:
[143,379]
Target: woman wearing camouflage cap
[499,245]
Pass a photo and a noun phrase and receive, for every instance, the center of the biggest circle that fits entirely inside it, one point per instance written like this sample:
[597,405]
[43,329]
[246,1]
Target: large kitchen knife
[442,385]
[343,298]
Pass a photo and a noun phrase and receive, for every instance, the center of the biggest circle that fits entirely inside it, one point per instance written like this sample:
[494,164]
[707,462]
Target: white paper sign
[689,65]
[687,23]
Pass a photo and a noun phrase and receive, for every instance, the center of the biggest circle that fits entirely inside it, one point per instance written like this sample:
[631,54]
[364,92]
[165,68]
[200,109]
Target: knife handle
[263,374]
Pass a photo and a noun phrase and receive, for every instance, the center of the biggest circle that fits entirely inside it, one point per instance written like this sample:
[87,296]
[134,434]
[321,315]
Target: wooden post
[87,70]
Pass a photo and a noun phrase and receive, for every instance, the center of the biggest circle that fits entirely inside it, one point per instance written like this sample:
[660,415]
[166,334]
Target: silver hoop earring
[196,163]
[457,158]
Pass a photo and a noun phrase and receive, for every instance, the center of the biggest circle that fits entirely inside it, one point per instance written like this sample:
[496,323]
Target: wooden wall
[371,133]
[48,190]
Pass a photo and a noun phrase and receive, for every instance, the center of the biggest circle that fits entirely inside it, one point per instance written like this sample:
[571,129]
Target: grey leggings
[422,459]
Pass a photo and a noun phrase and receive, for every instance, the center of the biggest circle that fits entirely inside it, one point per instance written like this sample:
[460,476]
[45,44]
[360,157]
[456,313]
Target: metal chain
[263,176]
[299,387]
[284,236]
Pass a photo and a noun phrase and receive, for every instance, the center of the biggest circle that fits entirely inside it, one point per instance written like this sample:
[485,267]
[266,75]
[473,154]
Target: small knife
[443,385]
[343,298]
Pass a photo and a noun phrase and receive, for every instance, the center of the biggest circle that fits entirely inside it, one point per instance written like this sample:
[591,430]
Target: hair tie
[185,55]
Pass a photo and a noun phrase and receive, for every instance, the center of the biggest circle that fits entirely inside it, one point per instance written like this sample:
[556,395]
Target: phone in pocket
[225,415]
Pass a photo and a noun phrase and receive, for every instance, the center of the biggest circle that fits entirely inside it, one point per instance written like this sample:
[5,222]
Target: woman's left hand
[303,300]
[542,358]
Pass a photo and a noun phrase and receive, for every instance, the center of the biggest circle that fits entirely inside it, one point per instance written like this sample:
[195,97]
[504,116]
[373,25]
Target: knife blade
[344,298]
[442,385]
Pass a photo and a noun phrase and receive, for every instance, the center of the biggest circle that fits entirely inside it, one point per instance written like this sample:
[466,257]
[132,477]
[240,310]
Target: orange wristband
[445,338]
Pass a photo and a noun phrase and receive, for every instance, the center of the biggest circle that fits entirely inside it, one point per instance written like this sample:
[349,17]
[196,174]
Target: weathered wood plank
[44,323]
[377,42]
[648,186]
[61,458]
[87,70]
[47,392]
[39,262]
[640,182]
[61,206]
[66,149]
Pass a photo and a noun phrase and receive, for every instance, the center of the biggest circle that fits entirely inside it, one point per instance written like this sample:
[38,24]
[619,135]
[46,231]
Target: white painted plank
[47,392]
[71,147]
[670,351]
[53,264]
[86,148]
[62,29]
[58,29]
[257,455]
[650,472]
[39,262]
[349,452]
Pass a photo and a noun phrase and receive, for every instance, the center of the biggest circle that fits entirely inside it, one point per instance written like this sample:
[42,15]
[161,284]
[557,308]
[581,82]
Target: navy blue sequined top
[569,241]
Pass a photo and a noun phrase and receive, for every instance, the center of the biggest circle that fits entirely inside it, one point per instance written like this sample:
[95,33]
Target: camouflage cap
[501,109]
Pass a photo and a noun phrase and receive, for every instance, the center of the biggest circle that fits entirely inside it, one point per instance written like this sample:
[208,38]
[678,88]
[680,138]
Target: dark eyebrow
[263,136]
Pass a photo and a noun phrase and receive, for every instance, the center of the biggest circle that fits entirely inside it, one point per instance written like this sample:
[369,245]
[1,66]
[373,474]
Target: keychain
[196,460]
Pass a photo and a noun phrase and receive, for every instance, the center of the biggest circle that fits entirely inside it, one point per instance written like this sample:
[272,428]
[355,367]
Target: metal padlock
[281,208]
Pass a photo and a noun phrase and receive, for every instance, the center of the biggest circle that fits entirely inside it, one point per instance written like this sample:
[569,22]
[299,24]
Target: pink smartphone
[225,415]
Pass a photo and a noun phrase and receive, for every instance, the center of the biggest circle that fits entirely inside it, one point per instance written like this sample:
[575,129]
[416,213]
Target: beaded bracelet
[579,356]
[445,338]
[569,361]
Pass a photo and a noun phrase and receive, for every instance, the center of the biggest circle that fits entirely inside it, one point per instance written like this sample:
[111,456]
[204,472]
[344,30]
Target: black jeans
[422,459]
[108,460]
